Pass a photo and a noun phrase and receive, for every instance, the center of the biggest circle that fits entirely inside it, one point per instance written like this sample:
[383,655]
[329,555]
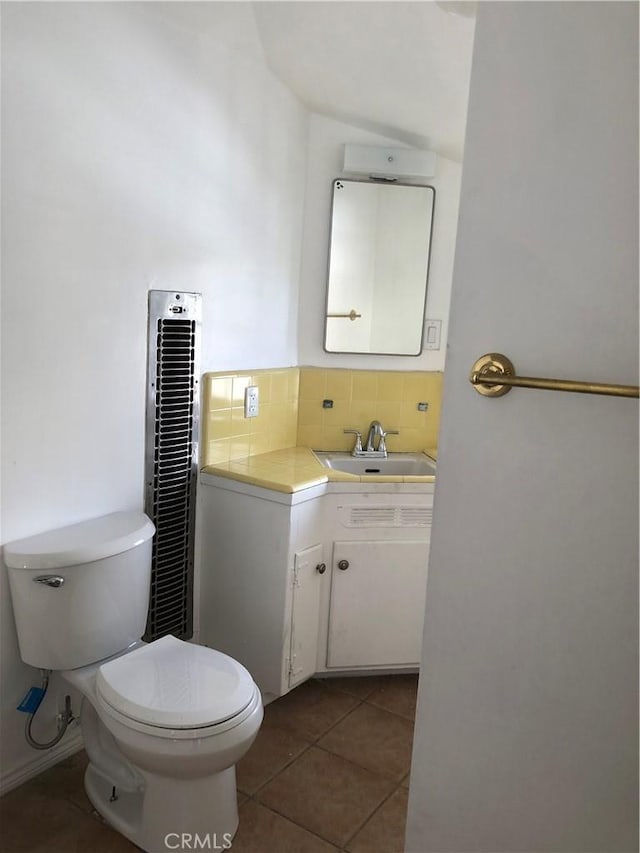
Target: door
[526,732]
[308,570]
[377,600]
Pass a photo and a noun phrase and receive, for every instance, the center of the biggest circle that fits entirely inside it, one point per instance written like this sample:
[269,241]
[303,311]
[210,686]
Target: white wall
[527,724]
[326,147]
[143,146]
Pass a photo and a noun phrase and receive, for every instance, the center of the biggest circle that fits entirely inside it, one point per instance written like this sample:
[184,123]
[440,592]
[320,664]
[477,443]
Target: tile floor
[328,771]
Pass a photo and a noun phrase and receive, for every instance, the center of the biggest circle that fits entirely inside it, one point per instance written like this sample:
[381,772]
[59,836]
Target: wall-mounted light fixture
[387,162]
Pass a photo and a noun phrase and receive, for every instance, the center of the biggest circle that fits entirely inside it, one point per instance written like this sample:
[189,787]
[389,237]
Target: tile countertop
[297,468]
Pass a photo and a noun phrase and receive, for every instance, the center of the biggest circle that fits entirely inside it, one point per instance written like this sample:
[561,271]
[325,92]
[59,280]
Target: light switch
[432,330]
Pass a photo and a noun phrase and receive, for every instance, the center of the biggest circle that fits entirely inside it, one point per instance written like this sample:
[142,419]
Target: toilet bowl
[164,726]
[164,723]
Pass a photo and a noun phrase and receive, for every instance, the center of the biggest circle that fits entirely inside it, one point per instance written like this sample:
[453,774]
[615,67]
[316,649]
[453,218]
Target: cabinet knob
[343,565]
[321,568]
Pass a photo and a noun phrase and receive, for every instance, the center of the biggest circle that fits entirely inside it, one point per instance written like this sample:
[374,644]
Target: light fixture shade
[389,162]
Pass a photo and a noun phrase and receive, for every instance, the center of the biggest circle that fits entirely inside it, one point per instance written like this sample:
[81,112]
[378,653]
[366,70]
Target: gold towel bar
[352,315]
[493,375]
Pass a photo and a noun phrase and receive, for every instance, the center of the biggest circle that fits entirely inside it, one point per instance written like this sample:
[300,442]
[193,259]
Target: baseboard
[41,761]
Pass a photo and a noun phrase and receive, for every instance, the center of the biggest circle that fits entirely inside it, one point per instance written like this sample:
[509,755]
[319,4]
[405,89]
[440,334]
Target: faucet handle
[382,446]
[357,448]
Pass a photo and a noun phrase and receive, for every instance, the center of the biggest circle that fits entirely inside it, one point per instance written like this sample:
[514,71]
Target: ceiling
[400,69]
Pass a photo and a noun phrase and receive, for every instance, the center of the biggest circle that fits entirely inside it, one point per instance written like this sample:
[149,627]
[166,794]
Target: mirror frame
[378,182]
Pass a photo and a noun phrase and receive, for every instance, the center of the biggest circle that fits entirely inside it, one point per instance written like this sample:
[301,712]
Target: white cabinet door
[308,570]
[377,603]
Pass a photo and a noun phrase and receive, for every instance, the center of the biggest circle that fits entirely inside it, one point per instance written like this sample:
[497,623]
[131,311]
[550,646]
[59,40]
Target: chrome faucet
[357,447]
[375,432]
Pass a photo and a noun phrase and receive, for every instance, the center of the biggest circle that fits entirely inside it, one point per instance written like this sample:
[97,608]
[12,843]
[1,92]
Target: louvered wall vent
[416,516]
[171,458]
[386,516]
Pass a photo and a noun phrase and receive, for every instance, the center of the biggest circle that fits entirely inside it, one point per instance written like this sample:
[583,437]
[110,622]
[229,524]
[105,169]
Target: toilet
[164,723]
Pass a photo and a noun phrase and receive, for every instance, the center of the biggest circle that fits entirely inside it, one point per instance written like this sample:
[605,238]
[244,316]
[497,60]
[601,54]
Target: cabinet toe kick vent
[386,516]
[171,457]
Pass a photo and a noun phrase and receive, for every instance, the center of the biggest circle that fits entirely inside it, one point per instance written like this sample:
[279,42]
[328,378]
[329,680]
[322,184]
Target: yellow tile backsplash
[227,434]
[360,396]
[291,410]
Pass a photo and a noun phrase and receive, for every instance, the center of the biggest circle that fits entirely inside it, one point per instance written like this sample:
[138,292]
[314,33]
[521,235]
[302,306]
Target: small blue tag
[31,701]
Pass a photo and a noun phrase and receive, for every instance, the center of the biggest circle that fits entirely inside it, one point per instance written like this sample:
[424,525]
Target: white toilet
[164,723]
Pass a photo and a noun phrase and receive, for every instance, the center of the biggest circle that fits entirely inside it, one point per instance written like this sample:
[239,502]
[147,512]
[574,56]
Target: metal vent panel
[171,459]
[416,516]
[386,516]
[365,516]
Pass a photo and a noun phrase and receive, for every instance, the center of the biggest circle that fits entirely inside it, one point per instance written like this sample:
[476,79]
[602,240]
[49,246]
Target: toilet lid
[177,685]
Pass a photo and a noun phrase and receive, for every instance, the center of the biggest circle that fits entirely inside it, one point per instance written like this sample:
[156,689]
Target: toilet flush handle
[50,580]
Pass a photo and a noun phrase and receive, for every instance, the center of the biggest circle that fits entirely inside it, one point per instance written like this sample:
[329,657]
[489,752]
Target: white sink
[395,464]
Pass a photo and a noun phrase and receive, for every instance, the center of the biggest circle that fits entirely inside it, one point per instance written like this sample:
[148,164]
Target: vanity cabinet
[331,579]
[260,578]
[372,612]
[376,604]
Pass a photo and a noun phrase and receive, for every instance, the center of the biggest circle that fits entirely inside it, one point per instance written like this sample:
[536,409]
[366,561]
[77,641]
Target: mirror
[378,265]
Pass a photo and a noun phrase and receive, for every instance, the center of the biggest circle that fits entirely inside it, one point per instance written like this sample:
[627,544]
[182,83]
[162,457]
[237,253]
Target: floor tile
[272,750]
[361,686]
[310,710]
[315,776]
[32,820]
[263,831]
[326,794]
[89,835]
[384,831]
[66,780]
[398,694]
[373,738]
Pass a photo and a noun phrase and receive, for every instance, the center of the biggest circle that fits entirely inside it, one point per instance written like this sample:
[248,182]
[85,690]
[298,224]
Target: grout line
[311,743]
[387,711]
[277,772]
[344,716]
[362,767]
[367,699]
[315,742]
[336,689]
[295,823]
[377,809]
[398,785]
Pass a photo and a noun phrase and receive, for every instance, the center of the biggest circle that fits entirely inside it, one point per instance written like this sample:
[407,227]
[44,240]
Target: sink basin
[395,464]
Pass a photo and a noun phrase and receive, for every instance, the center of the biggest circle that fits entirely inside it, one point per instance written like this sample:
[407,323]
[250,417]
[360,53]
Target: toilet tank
[81,593]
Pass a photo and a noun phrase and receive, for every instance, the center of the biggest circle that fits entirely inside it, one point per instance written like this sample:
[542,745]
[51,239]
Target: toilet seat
[175,686]
[175,735]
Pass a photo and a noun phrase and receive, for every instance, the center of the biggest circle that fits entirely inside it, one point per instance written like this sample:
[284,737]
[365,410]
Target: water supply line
[64,718]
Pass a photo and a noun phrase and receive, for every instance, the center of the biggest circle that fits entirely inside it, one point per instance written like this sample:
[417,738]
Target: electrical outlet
[251,403]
